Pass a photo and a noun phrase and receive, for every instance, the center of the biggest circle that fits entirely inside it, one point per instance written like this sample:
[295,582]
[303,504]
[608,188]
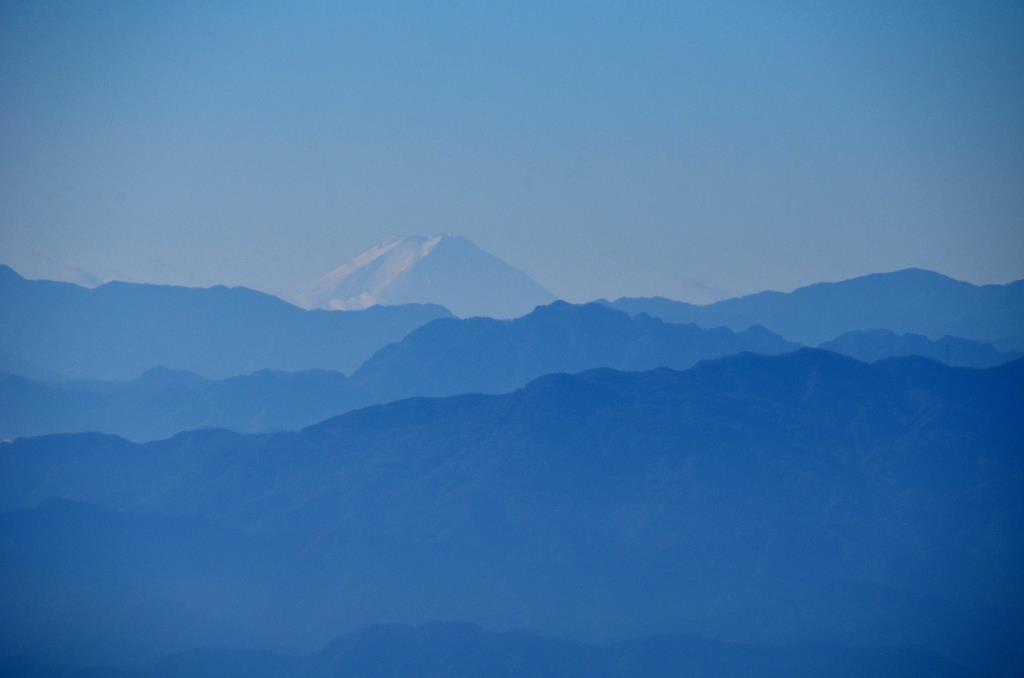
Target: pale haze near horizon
[690,151]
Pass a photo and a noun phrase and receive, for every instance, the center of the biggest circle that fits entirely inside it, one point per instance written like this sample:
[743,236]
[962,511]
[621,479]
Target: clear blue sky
[605,148]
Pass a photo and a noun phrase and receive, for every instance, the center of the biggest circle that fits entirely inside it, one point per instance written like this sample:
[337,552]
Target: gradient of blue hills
[445,357]
[120,330]
[909,301]
[798,498]
[771,501]
[51,330]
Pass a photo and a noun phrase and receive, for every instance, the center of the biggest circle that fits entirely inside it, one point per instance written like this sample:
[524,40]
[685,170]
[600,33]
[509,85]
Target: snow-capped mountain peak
[441,269]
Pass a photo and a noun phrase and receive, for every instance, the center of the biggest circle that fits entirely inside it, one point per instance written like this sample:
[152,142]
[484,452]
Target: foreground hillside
[766,499]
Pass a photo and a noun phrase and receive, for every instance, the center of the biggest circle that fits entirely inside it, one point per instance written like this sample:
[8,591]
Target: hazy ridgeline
[120,330]
[909,301]
[447,356]
[53,331]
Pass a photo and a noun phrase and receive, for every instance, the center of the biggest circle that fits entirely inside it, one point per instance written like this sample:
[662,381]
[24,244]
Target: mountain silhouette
[444,269]
[907,301]
[446,357]
[872,345]
[483,355]
[119,330]
[746,498]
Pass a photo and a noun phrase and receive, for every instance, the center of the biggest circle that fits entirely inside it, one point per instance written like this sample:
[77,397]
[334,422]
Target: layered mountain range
[445,357]
[655,487]
[805,497]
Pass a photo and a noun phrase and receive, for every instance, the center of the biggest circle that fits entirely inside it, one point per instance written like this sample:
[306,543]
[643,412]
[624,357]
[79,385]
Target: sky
[691,150]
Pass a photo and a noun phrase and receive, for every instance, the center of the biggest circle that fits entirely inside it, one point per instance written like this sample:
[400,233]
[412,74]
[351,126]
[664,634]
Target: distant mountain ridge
[803,497]
[483,355]
[119,330]
[445,357]
[162,402]
[906,301]
[442,269]
[873,345]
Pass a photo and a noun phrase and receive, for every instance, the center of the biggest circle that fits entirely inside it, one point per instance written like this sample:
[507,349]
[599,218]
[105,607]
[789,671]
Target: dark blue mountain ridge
[744,491]
[906,301]
[118,330]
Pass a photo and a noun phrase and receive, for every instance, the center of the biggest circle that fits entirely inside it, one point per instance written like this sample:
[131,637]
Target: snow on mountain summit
[362,281]
[441,269]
